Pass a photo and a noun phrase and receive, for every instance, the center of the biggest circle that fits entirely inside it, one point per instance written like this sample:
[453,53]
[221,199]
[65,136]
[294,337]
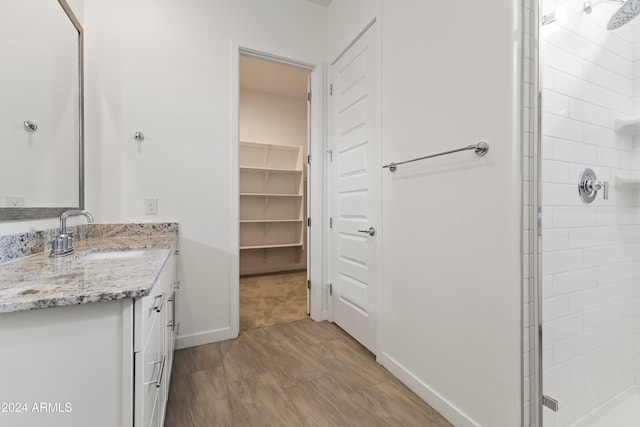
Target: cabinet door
[149,367]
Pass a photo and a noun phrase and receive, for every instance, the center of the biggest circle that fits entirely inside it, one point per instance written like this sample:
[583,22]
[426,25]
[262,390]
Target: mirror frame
[27,214]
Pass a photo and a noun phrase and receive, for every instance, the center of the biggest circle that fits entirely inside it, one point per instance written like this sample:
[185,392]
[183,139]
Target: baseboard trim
[201,338]
[437,402]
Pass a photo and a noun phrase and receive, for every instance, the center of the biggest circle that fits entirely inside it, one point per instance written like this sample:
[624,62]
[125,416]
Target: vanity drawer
[148,311]
[150,365]
[152,307]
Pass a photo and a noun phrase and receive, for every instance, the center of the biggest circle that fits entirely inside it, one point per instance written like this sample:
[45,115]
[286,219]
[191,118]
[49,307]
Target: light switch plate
[151,206]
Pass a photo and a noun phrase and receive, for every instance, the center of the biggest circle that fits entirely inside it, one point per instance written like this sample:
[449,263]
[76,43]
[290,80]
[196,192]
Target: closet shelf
[282,245]
[263,169]
[628,126]
[627,180]
[271,194]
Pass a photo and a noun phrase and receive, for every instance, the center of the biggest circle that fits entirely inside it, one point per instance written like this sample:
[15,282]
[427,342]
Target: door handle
[371,231]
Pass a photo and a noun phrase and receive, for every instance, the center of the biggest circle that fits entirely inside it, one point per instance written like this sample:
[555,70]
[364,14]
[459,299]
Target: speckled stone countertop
[38,281]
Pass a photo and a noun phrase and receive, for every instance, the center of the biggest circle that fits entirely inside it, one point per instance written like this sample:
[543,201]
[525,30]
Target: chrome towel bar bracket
[481,149]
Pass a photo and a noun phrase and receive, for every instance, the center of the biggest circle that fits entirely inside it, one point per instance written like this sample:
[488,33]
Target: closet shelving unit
[271,198]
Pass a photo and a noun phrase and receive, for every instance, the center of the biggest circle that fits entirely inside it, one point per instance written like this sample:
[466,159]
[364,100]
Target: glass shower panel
[590,294]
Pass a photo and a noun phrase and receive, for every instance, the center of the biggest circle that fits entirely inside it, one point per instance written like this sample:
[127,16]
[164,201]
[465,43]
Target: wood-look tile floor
[272,299]
[296,374]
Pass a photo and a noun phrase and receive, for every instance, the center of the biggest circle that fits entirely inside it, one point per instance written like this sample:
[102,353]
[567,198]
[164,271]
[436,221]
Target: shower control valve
[589,185]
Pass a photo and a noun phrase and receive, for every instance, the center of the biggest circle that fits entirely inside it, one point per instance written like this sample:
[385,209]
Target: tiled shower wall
[636,167]
[528,215]
[588,250]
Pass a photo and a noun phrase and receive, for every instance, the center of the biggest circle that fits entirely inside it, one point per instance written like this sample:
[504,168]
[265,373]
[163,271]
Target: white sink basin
[113,254]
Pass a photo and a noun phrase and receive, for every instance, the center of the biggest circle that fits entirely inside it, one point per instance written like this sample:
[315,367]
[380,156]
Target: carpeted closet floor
[272,299]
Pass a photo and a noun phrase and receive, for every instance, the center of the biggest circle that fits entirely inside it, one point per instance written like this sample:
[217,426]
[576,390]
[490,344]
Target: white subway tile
[602,375]
[611,215]
[568,392]
[599,135]
[574,281]
[547,356]
[555,307]
[557,375]
[613,388]
[618,329]
[548,77]
[574,86]
[575,346]
[585,237]
[588,299]
[554,171]
[562,60]
[614,273]
[602,315]
[589,113]
[621,290]
[603,255]
[559,194]
[600,356]
[547,217]
[618,102]
[562,128]
[572,151]
[560,329]
[574,216]
[562,261]
[555,103]
[555,239]
[547,147]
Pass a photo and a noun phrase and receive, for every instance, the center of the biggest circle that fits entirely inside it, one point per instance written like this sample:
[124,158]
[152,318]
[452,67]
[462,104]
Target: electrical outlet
[151,206]
[15,201]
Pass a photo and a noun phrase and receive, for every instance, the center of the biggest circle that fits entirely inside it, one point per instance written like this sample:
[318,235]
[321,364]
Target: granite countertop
[38,281]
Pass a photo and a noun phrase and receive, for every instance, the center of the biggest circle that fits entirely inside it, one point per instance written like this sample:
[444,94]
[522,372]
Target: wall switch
[15,201]
[151,206]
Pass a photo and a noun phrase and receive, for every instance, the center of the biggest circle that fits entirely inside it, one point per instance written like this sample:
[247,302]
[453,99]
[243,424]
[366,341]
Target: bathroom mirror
[41,110]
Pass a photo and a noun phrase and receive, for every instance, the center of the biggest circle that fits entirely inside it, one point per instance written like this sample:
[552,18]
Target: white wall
[273,119]
[165,68]
[588,249]
[451,309]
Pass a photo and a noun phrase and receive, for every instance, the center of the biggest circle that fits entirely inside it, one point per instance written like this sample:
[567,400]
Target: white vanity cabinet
[103,364]
[154,343]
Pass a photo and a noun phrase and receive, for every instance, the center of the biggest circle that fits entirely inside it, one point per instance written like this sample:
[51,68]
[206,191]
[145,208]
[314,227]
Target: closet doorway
[273,170]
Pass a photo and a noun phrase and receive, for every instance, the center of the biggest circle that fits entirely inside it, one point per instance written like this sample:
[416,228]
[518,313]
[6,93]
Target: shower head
[629,10]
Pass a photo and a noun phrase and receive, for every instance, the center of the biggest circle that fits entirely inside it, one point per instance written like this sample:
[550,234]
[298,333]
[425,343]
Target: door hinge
[330,152]
[309,222]
[330,288]
[331,89]
[550,403]
[309,96]
[309,284]
[176,252]
[330,222]
[309,159]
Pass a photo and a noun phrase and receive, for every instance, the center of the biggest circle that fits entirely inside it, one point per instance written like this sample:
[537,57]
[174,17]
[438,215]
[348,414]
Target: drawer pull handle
[158,381]
[158,307]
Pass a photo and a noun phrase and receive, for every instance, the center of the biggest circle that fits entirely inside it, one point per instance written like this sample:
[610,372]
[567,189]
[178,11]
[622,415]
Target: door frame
[377,21]
[316,175]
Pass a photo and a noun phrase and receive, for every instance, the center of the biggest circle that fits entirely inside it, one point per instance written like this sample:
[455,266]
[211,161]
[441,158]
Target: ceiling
[266,76]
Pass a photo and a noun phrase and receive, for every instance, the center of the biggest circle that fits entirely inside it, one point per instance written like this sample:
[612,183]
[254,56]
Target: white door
[355,189]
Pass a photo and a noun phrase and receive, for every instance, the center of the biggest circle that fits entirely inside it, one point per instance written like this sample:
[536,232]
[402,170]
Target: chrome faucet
[62,244]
